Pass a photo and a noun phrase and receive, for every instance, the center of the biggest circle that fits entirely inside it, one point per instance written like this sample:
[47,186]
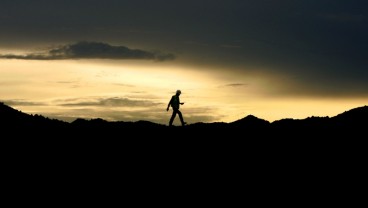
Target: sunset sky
[122,60]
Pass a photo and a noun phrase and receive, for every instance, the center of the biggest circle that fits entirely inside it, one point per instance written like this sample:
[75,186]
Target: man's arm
[168,105]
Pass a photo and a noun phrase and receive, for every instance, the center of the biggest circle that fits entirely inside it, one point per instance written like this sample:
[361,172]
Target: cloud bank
[113,109]
[109,102]
[92,50]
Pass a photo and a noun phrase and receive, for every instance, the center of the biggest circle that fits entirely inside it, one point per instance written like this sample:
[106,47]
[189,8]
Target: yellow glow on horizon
[295,108]
[49,81]
[206,93]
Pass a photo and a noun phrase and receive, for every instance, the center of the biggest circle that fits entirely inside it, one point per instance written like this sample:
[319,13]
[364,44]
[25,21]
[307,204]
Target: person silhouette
[175,104]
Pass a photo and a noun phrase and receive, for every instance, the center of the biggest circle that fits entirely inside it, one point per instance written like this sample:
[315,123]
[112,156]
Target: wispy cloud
[113,101]
[155,114]
[92,50]
[88,102]
[235,85]
[115,109]
[22,103]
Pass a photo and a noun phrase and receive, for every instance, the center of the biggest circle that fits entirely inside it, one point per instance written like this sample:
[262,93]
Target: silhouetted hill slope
[15,119]
[354,118]
[9,114]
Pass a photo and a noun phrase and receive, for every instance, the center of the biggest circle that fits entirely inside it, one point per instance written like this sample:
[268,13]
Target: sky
[122,60]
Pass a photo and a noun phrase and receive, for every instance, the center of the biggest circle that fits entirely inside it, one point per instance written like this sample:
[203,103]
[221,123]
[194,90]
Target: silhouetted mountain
[251,121]
[348,122]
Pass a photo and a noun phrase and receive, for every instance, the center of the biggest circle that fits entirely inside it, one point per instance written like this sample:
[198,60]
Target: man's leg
[181,118]
[172,117]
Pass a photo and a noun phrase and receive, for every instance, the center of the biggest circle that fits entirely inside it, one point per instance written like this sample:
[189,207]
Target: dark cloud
[92,50]
[323,43]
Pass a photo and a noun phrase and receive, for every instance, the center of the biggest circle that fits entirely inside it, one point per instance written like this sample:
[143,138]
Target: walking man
[175,104]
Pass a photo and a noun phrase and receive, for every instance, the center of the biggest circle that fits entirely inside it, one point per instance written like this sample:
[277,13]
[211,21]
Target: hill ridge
[354,119]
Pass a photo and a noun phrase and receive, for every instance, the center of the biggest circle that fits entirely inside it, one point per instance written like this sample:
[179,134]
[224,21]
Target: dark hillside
[351,122]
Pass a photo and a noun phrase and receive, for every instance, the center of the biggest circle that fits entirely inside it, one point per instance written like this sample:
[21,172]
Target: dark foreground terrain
[308,156]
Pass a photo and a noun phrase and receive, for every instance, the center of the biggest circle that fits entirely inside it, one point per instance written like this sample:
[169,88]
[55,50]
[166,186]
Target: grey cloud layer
[92,50]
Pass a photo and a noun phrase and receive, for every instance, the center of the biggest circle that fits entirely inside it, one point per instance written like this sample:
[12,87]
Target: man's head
[178,92]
